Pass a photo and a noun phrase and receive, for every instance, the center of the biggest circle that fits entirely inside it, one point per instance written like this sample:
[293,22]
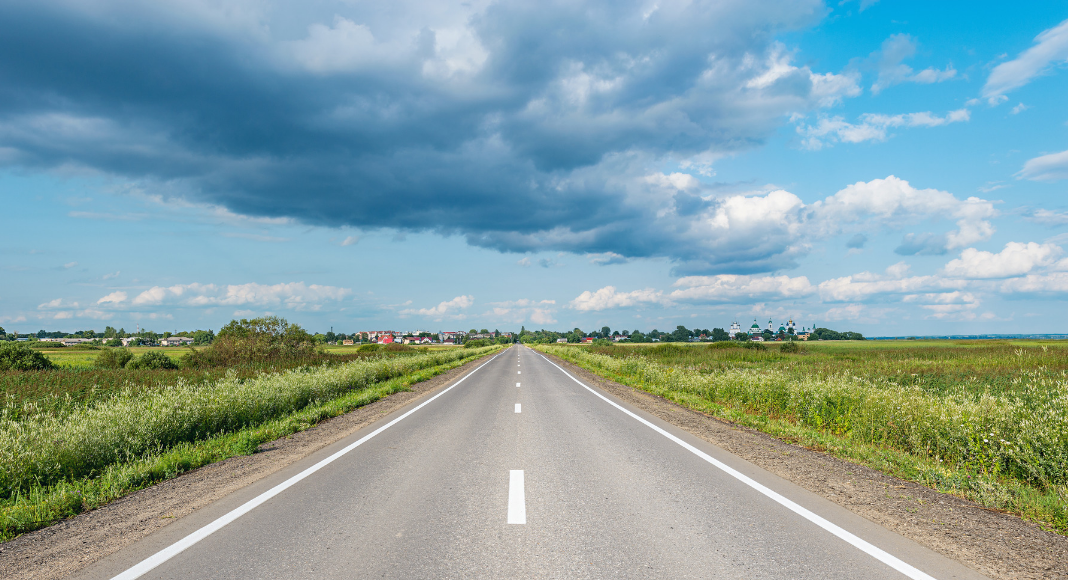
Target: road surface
[521,471]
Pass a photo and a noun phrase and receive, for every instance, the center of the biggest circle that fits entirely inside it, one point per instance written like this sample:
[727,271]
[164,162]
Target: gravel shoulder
[998,545]
[68,546]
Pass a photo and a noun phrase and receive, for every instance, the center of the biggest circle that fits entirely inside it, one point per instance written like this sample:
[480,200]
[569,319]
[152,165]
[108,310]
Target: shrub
[603,342]
[790,347]
[114,358]
[397,347]
[478,343]
[753,345]
[152,359]
[369,348]
[722,345]
[16,356]
[667,349]
[114,342]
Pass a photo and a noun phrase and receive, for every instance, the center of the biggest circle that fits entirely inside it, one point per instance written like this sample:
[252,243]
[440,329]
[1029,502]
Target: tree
[203,337]
[681,334]
[109,332]
[15,356]
[152,359]
[606,332]
[767,334]
[113,358]
[719,335]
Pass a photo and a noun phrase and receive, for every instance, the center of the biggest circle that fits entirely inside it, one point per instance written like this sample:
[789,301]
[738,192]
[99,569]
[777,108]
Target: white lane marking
[176,548]
[862,545]
[518,408]
[519,372]
[517,385]
[517,499]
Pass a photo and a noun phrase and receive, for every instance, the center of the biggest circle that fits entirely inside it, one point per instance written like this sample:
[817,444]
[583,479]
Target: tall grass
[81,440]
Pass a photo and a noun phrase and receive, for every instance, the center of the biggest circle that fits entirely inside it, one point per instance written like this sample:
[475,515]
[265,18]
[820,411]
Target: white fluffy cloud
[894,201]
[731,288]
[1015,260]
[452,309]
[895,281]
[608,297]
[1046,168]
[872,127]
[1051,47]
[518,311]
[292,295]
[1042,284]
[113,298]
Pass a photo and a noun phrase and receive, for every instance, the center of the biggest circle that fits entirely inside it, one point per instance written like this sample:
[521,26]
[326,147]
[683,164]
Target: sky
[888,167]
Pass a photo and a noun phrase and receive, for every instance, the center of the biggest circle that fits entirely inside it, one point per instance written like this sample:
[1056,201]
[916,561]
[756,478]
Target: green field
[82,358]
[987,420]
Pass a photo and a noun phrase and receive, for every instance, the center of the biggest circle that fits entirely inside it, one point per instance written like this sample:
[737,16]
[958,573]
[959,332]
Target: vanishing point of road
[520,470]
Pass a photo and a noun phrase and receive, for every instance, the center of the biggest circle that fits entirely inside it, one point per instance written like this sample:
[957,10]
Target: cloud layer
[520,126]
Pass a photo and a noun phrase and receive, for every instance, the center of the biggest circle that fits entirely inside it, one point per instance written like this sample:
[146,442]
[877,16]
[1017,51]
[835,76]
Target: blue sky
[888,167]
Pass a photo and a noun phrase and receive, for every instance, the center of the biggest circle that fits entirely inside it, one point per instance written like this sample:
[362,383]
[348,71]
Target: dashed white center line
[517,499]
[517,385]
[518,408]
[519,372]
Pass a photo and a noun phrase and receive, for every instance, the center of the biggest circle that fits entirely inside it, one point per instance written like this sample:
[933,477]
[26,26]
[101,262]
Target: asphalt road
[520,471]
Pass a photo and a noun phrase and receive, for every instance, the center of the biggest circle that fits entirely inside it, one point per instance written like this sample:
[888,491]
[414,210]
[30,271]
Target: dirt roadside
[68,546]
[997,545]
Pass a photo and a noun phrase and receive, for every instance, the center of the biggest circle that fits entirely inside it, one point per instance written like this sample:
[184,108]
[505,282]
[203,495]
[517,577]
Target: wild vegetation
[985,420]
[72,439]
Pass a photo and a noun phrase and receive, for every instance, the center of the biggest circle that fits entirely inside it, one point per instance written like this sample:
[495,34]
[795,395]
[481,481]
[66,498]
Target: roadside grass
[987,422]
[35,495]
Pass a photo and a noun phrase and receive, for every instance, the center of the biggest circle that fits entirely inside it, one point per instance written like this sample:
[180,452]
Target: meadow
[986,420]
[75,438]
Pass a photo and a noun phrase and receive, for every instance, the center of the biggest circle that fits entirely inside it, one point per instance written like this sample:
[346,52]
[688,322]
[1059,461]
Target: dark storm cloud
[522,126]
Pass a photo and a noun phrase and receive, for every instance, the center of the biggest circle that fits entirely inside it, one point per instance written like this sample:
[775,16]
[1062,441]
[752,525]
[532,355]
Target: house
[347,343]
[587,340]
[561,341]
[416,340]
[385,339]
[66,341]
[449,342]
[620,337]
[176,341]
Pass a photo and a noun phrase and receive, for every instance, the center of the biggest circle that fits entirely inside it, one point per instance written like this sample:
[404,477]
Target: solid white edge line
[862,545]
[518,408]
[176,548]
[517,500]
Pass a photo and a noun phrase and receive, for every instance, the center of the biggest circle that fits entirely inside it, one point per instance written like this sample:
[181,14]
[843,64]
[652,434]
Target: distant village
[786,331]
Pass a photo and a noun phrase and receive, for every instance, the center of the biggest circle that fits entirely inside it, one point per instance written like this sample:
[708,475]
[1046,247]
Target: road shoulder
[997,545]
